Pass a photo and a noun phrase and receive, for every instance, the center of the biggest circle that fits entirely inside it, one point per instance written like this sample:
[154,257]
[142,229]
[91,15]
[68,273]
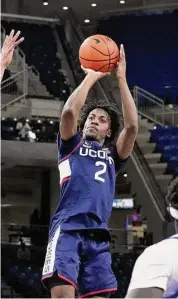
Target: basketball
[99,53]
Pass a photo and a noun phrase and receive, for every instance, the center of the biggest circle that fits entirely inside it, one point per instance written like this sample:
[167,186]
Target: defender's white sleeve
[156,266]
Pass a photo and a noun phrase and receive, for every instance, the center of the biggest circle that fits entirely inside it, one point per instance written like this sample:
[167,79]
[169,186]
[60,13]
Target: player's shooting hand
[121,65]
[95,75]
[11,41]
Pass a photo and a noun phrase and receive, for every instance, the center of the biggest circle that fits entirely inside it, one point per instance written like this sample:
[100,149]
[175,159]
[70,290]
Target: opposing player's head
[100,122]
[172,200]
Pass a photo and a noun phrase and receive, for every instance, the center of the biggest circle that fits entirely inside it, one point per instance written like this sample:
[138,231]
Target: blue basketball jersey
[87,179]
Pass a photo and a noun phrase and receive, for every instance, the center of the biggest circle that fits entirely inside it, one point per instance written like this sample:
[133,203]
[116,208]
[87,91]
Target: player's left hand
[121,65]
[11,41]
[94,74]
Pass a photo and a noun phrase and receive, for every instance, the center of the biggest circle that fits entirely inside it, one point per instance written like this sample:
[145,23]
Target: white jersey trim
[48,267]
[64,169]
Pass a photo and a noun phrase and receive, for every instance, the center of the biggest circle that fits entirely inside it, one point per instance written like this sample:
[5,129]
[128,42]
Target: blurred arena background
[44,71]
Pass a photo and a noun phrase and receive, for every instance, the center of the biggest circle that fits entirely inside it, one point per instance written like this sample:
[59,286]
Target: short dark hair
[172,193]
[113,112]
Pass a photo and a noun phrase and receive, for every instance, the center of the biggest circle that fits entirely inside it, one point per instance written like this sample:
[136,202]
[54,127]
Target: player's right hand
[121,65]
[92,73]
[11,41]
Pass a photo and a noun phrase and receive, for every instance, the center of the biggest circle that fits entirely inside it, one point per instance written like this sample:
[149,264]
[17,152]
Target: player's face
[97,125]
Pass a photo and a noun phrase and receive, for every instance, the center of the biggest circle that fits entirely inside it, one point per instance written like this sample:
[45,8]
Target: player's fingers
[85,70]
[122,52]
[5,41]
[11,48]
[105,74]
[12,33]
[16,36]
[18,42]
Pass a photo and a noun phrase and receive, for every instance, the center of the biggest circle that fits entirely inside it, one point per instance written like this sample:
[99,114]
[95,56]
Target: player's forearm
[78,98]
[2,70]
[129,110]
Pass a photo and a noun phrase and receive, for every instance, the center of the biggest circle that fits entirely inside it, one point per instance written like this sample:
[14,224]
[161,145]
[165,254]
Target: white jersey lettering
[102,154]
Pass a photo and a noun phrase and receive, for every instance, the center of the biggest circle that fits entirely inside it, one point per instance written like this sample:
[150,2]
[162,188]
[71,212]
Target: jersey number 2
[101,171]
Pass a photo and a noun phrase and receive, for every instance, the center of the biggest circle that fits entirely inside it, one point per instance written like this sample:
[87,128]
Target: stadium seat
[166,139]
[43,55]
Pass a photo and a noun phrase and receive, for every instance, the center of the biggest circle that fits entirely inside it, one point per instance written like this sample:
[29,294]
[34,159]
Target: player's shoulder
[161,250]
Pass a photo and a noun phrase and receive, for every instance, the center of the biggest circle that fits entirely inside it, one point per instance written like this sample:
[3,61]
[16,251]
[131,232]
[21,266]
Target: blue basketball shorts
[80,260]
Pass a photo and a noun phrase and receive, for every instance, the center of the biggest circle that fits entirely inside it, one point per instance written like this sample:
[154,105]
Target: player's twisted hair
[172,193]
[113,112]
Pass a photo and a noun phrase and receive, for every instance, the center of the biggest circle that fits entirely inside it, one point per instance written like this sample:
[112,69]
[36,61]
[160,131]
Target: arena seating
[152,64]
[166,139]
[26,279]
[40,49]
[45,131]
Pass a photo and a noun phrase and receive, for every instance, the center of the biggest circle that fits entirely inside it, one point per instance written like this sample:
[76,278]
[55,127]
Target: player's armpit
[145,293]
[125,142]
[68,124]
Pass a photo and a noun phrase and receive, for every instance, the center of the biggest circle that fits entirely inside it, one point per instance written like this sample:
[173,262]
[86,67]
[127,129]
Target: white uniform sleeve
[154,266]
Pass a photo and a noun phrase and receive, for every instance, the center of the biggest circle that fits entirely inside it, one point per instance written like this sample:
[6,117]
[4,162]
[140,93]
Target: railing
[151,182]
[121,239]
[15,88]
[20,59]
[152,107]
[32,19]
[18,63]
[30,110]
[34,81]
[35,86]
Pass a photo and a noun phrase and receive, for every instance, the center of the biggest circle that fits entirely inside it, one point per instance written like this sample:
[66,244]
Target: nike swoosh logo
[97,40]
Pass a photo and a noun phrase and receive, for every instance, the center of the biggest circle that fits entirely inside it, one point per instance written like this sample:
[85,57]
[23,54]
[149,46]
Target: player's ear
[109,133]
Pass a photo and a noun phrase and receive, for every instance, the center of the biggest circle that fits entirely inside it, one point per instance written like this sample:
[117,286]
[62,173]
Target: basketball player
[7,51]
[78,255]
[155,273]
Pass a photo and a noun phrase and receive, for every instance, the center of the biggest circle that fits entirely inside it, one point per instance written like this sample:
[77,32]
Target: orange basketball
[99,53]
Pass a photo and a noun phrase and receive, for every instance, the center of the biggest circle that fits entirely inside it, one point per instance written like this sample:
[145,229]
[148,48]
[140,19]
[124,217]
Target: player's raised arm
[71,110]
[11,41]
[128,135]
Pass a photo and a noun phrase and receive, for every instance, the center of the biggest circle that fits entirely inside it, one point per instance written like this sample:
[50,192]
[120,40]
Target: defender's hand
[121,65]
[95,75]
[11,41]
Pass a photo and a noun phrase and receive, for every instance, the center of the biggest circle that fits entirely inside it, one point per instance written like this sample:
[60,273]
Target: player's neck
[101,142]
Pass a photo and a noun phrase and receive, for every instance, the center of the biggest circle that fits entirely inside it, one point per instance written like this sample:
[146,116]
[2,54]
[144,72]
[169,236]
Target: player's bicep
[125,142]
[145,293]
[68,124]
